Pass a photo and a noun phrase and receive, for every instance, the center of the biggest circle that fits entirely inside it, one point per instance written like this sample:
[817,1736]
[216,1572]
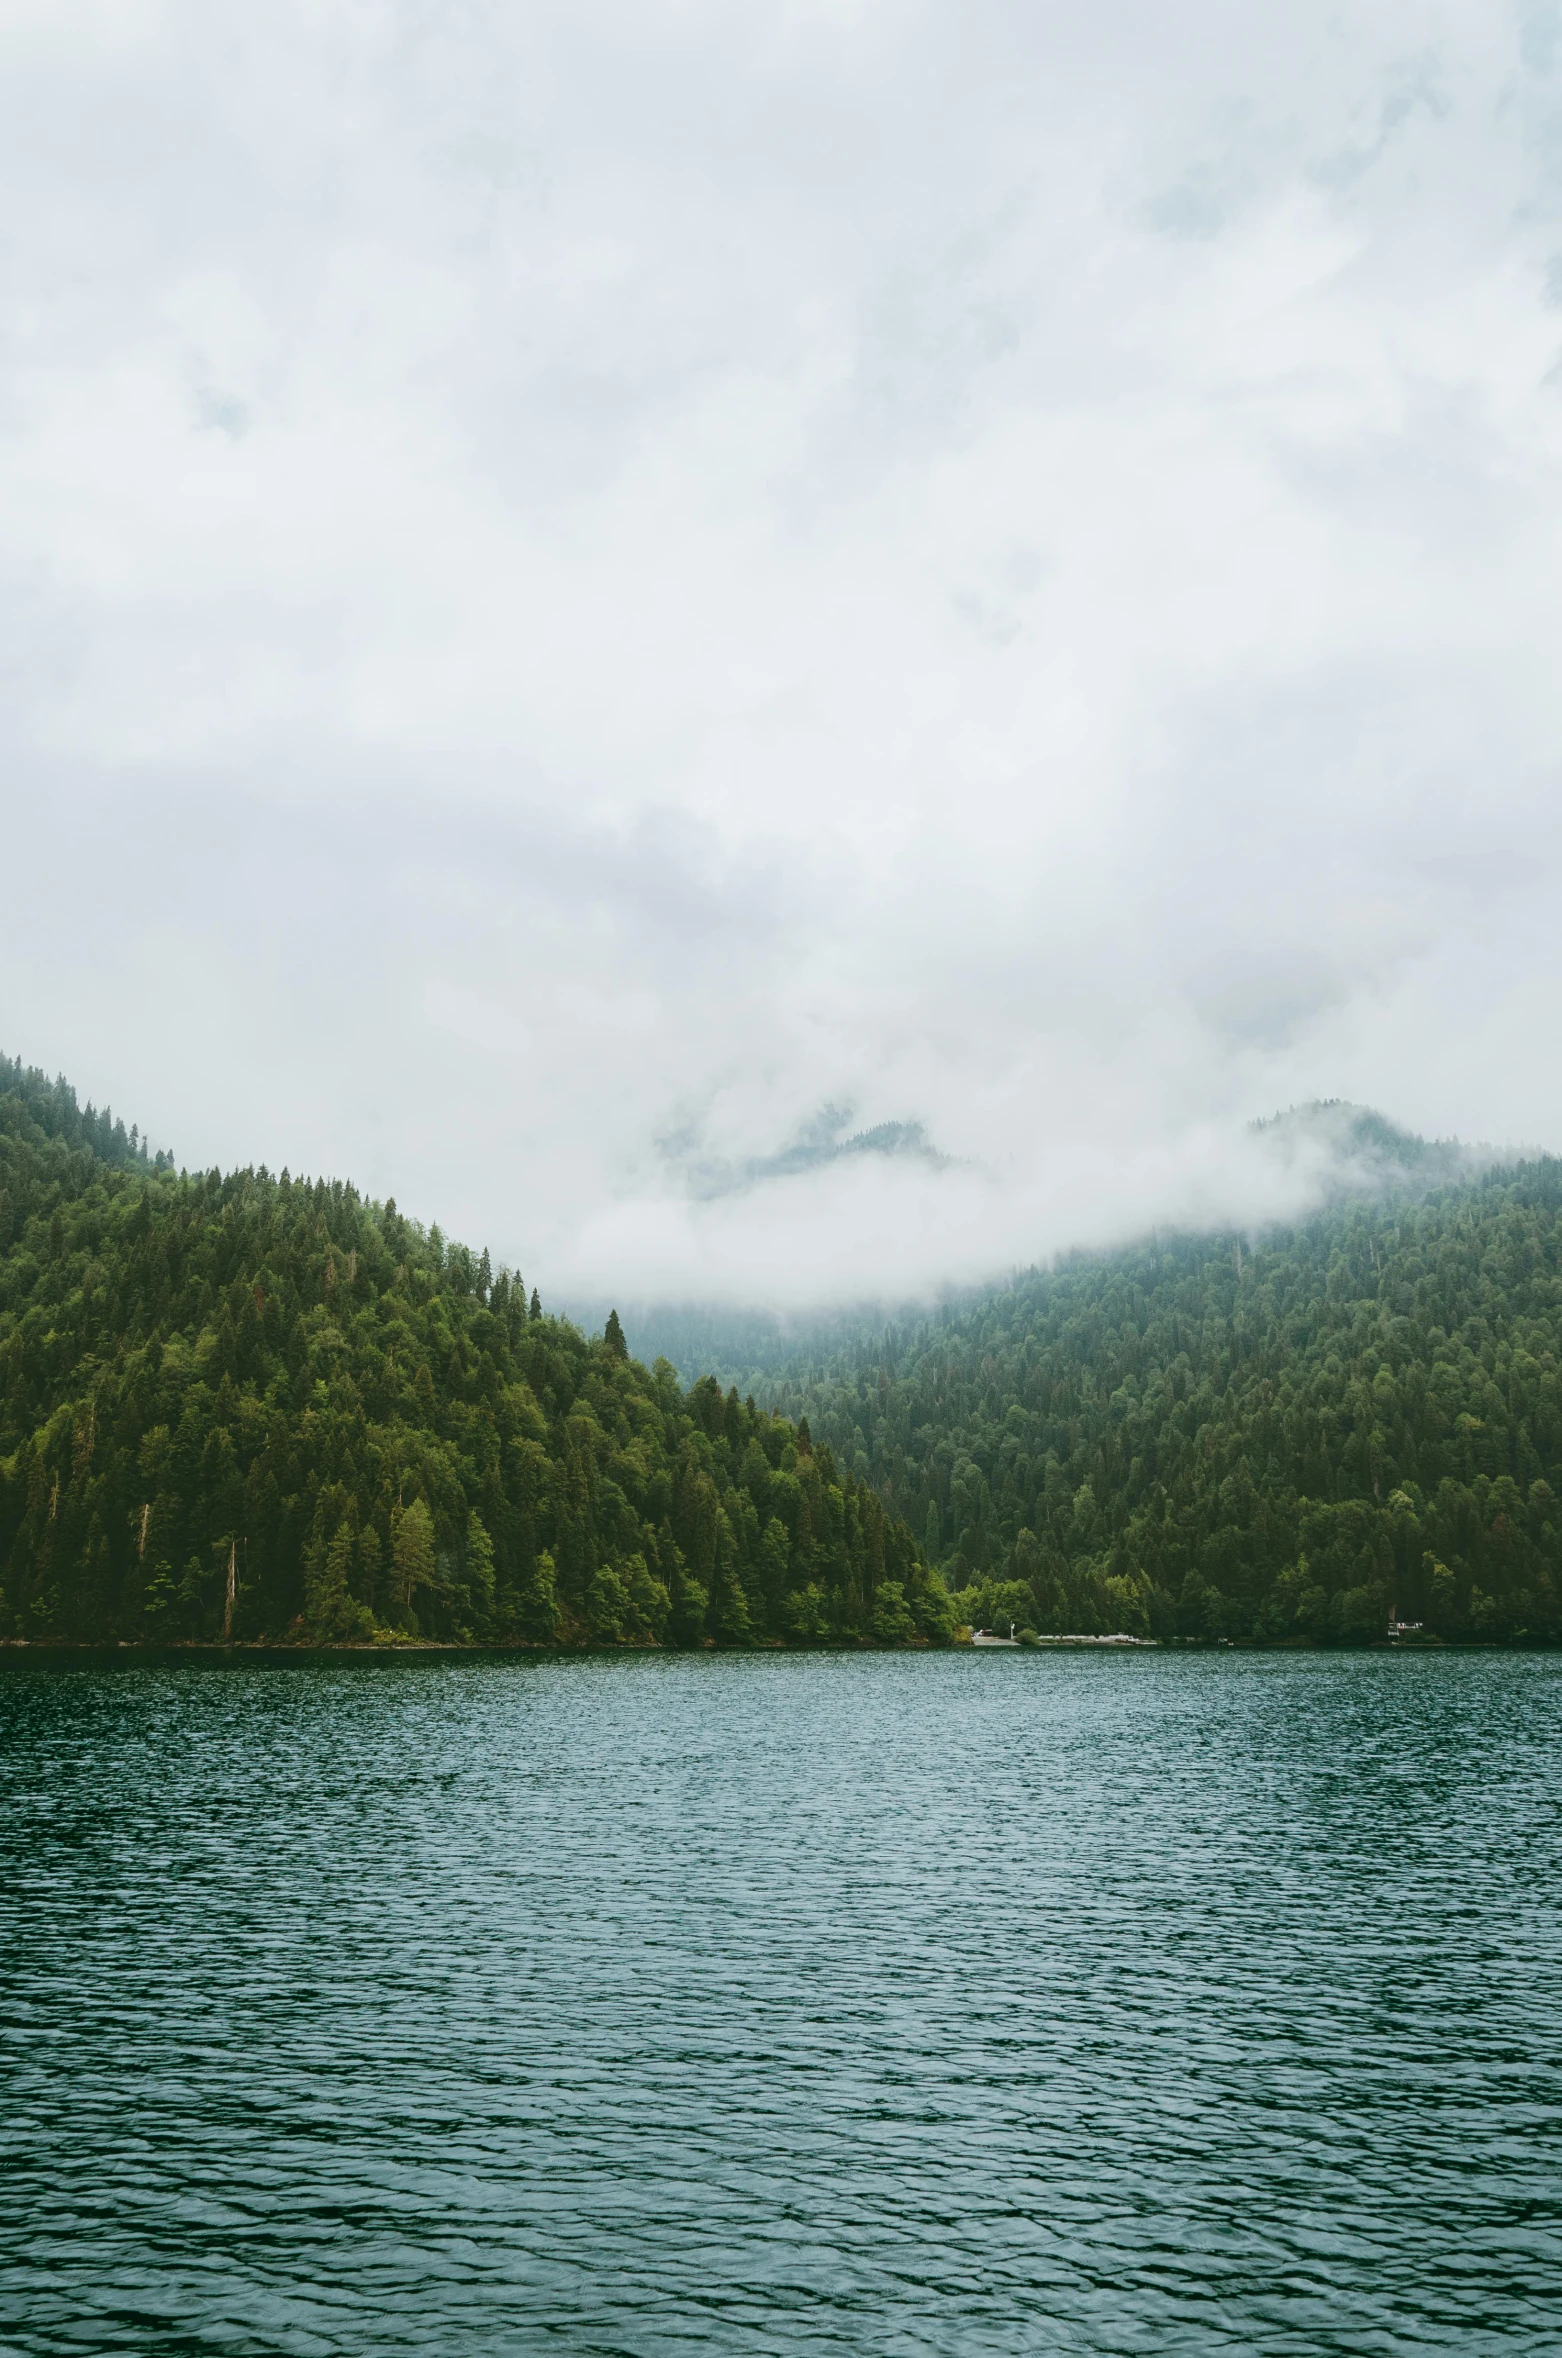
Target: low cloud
[578,587]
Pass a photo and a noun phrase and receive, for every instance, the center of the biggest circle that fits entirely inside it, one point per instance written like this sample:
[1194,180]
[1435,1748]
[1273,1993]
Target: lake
[797,2003]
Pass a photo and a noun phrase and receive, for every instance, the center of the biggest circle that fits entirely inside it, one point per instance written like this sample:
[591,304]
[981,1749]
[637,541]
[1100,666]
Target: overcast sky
[581,581]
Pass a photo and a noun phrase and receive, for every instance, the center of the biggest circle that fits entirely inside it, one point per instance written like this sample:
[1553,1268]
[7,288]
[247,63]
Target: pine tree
[252,1371]
[412,1553]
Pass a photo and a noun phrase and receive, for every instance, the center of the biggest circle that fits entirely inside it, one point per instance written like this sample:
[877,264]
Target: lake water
[871,2004]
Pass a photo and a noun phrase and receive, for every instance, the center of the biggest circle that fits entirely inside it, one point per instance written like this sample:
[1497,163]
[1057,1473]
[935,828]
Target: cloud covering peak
[582,583]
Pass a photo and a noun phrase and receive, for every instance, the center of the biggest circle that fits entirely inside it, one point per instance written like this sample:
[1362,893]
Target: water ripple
[805,2004]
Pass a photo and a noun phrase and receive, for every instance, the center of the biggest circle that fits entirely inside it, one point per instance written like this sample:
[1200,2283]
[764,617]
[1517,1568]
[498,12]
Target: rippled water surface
[1004,2003]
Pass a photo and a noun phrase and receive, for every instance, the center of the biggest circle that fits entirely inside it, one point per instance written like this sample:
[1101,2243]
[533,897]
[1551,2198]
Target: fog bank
[600,602]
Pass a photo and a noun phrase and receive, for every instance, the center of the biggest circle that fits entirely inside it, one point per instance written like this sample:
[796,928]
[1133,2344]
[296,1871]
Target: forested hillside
[1288,1437]
[266,1406]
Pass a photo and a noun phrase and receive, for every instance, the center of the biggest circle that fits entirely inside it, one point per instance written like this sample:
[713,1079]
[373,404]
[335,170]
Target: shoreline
[305,1650]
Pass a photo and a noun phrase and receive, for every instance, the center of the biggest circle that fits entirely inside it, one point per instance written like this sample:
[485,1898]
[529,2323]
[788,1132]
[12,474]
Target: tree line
[1294,1436]
[256,1407]
[265,1407]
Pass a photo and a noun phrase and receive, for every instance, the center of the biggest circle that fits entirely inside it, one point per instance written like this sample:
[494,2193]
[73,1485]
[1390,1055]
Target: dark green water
[874,2004]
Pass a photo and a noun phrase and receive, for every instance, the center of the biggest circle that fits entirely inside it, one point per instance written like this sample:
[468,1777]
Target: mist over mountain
[989,567]
[696,701]
[825,1138]
[251,1407]
[1326,1153]
[1352,1151]
[237,1405]
[1301,1435]
[1292,1432]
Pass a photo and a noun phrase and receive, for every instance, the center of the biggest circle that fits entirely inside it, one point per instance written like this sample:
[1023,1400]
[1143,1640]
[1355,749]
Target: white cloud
[582,577]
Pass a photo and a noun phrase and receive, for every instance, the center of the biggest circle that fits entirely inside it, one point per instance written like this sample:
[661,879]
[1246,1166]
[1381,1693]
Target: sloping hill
[1285,1437]
[268,1407]
[1279,1438]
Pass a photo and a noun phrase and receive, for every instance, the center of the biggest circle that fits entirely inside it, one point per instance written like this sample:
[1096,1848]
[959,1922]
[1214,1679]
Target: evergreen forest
[1291,1437]
[265,1408]
[257,1408]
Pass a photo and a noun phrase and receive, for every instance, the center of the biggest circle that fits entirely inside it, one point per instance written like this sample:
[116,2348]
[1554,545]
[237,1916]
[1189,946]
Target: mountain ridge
[242,1407]
[1355,1420]
[248,1407]
[1357,1154]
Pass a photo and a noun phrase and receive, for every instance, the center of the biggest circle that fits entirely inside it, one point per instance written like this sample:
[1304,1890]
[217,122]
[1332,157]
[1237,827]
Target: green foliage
[383,1434]
[51,1107]
[1197,1438]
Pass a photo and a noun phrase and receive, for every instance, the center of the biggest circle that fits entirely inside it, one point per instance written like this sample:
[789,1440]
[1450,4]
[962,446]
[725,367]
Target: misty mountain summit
[826,1138]
[1300,1436]
[245,1406]
[1288,1435]
[1354,1151]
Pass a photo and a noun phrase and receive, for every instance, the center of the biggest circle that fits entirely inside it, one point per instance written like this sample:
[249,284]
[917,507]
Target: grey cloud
[580,584]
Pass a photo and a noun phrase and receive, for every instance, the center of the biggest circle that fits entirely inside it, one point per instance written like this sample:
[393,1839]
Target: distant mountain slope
[1339,1154]
[267,1406]
[1279,1438]
[827,1138]
[1358,1153]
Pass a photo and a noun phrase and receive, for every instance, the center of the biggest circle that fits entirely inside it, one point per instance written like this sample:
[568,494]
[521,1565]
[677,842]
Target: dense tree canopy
[1292,1436]
[266,1407]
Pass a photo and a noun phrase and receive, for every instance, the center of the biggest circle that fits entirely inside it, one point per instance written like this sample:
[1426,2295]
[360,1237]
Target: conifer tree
[200,1371]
